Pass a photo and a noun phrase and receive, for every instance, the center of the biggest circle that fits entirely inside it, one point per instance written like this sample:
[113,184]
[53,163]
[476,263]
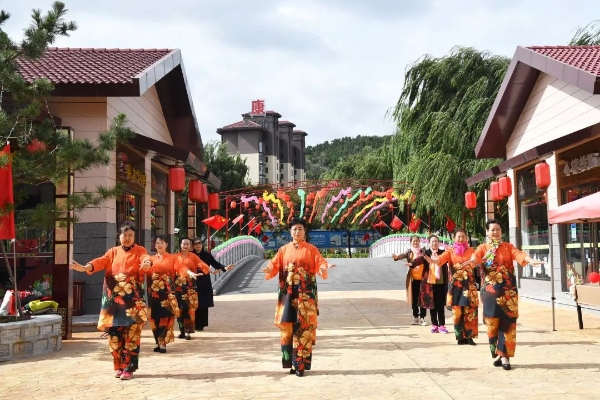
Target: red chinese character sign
[258,107]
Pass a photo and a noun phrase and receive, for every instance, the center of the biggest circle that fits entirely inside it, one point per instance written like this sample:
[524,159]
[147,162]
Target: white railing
[237,250]
[399,243]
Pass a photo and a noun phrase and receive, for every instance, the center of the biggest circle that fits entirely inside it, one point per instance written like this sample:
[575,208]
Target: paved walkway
[365,349]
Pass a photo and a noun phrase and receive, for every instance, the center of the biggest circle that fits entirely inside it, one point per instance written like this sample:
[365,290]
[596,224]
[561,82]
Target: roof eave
[514,92]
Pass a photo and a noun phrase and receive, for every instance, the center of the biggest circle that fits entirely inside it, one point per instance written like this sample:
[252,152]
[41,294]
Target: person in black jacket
[204,284]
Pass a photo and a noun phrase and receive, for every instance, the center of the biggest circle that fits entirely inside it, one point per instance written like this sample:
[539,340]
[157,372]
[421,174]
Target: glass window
[158,207]
[533,223]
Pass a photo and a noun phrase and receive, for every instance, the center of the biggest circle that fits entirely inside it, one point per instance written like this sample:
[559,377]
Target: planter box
[38,336]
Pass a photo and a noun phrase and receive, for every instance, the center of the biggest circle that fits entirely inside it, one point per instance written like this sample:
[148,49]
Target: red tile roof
[91,66]
[242,124]
[586,58]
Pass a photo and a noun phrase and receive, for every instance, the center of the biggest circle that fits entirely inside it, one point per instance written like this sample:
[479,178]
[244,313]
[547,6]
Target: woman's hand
[395,257]
[229,267]
[429,259]
[146,265]
[193,275]
[80,268]
[536,262]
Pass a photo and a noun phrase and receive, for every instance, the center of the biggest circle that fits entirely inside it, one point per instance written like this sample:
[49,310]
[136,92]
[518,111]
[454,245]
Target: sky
[332,67]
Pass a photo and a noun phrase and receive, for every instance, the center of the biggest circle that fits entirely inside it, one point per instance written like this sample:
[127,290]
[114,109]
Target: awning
[536,153]
[586,209]
[169,155]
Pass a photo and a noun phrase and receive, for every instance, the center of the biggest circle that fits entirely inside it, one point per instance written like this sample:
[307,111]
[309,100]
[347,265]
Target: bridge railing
[236,250]
[399,243]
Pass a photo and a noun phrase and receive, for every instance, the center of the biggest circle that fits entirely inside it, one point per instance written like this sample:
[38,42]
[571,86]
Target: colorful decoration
[505,187]
[471,200]
[198,192]
[213,201]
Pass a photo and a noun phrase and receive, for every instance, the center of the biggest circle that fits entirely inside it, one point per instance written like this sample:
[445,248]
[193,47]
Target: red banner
[7,222]
[216,222]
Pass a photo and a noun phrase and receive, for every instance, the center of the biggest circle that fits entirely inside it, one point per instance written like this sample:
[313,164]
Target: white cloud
[332,67]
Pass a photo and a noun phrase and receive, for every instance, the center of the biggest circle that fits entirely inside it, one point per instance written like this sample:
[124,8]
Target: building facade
[548,108]
[92,87]
[274,151]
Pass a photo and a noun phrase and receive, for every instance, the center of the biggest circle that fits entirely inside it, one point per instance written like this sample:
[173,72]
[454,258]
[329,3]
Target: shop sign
[135,175]
[581,164]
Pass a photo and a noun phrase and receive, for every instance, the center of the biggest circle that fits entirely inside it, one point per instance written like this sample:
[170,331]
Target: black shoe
[163,350]
[200,329]
[471,342]
[498,362]
[292,371]
[188,337]
[157,349]
[299,373]
[506,366]
[181,335]
[461,341]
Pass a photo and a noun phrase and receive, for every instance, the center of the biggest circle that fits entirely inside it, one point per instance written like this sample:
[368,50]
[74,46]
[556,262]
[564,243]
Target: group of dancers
[437,279]
[177,288]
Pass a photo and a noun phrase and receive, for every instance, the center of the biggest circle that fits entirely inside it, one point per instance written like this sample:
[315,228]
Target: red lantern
[542,175]
[286,197]
[257,207]
[198,191]
[505,187]
[471,200]
[362,195]
[246,205]
[35,146]
[594,277]
[495,192]
[233,204]
[177,179]
[213,201]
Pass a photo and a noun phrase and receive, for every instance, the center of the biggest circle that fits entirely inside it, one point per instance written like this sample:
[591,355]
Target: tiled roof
[286,123]
[299,132]
[90,66]
[243,124]
[586,58]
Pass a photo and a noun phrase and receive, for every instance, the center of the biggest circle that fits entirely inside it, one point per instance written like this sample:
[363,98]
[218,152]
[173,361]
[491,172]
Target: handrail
[399,243]
[236,249]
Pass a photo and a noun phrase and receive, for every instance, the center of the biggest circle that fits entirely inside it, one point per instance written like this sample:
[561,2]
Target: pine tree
[41,152]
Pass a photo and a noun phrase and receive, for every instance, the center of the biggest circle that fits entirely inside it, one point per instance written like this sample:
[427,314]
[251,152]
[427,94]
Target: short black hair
[198,240]
[297,221]
[127,226]
[493,221]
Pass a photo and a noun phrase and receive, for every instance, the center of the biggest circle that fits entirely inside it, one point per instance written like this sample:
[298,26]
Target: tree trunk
[11,276]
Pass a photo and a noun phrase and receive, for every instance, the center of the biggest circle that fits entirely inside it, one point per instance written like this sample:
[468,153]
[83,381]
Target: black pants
[417,311]
[201,317]
[438,318]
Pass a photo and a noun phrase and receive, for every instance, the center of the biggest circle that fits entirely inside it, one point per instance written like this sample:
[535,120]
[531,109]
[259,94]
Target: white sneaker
[415,321]
[423,322]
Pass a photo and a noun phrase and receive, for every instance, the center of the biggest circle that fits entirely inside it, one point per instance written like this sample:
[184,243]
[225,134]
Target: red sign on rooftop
[258,107]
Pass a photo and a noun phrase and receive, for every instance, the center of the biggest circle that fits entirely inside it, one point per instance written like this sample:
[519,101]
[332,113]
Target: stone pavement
[366,349]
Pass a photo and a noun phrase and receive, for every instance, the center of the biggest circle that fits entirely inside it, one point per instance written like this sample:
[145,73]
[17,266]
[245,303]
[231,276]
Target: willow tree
[588,35]
[440,114]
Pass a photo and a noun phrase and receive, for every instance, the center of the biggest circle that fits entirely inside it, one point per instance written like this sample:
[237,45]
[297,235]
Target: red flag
[380,224]
[396,223]
[450,225]
[366,237]
[251,225]
[257,229]
[7,222]
[415,222]
[216,222]
[237,219]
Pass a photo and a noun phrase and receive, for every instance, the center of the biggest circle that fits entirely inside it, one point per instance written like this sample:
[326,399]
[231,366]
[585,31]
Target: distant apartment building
[273,149]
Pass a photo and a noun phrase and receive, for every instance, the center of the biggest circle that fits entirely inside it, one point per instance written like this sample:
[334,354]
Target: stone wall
[38,336]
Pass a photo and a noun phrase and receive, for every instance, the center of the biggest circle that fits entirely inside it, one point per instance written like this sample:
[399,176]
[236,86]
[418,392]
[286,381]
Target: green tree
[588,35]
[440,114]
[42,153]
[368,164]
[231,169]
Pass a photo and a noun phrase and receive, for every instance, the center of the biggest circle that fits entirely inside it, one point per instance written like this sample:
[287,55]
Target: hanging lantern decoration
[257,207]
[286,197]
[495,192]
[233,204]
[246,205]
[471,200]
[213,201]
[505,187]
[177,179]
[35,146]
[542,175]
[198,191]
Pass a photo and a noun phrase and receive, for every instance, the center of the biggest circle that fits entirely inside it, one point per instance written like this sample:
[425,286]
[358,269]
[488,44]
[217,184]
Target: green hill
[325,156]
